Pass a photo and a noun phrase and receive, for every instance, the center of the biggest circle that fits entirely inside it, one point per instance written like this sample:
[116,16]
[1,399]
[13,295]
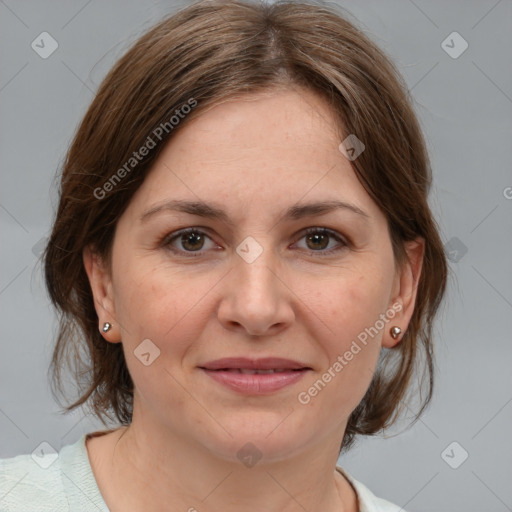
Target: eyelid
[171,237]
[326,231]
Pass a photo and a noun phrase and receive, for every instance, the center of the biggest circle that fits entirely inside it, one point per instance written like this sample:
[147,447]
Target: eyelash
[169,239]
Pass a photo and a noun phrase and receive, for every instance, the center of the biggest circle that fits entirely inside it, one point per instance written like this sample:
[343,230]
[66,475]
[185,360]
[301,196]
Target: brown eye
[192,241]
[319,239]
[189,241]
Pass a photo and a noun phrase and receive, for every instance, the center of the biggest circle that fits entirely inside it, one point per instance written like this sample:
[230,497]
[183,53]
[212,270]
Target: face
[264,278]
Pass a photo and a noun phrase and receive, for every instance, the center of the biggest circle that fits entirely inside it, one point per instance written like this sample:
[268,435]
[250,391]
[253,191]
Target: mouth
[248,371]
[262,364]
[255,376]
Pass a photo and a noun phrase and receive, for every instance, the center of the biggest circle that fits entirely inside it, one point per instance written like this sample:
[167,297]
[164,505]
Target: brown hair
[211,52]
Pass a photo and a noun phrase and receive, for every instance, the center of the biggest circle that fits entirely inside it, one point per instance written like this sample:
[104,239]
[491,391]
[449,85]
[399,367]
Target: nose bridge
[257,300]
[257,267]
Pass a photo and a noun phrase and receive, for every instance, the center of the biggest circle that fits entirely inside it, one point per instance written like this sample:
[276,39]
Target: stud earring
[106,327]
[395,332]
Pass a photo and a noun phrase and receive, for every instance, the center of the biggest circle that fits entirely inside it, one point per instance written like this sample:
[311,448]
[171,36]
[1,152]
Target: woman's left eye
[192,240]
[318,238]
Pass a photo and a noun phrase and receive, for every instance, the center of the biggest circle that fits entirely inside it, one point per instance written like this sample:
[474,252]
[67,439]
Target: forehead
[269,151]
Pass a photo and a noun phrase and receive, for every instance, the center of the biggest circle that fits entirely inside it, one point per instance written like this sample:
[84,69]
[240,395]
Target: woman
[245,253]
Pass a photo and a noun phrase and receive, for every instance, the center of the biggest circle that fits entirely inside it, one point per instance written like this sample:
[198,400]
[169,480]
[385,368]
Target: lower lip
[256,384]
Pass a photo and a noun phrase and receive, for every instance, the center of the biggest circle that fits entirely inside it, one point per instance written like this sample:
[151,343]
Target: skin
[253,157]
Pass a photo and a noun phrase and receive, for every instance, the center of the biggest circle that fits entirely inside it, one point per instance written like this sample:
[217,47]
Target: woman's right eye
[191,240]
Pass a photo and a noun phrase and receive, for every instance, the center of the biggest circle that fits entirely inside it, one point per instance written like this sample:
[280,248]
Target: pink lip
[226,372]
[266,363]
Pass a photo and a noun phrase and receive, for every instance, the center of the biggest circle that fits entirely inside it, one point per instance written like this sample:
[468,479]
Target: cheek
[352,311]
[161,304]
[355,304]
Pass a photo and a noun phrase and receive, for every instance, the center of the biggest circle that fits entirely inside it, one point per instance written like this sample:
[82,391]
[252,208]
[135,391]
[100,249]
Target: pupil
[191,241]
[319,238]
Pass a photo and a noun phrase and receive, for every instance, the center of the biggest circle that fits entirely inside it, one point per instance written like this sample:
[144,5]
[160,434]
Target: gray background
[465,107]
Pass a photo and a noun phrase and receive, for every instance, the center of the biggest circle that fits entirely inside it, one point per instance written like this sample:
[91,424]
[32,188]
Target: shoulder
[47,480]
[28,483]
[368,502]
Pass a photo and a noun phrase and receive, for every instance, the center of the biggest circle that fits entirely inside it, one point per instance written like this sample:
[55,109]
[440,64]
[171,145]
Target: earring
[106,327]
[395,332]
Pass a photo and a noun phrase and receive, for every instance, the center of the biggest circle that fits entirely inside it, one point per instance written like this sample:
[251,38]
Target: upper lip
[267,363]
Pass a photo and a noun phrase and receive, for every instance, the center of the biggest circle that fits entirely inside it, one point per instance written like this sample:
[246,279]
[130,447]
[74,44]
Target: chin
[260,438]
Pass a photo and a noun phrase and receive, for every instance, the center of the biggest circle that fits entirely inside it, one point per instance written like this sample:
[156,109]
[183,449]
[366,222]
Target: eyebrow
[211,211]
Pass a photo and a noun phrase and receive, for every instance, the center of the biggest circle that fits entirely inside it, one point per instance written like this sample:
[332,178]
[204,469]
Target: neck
[153,469]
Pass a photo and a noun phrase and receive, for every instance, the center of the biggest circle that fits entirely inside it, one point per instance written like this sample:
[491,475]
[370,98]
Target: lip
[226,372]
[266,363]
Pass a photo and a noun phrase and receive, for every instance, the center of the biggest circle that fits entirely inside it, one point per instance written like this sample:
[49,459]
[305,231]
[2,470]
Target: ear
[405,288]
[102,291]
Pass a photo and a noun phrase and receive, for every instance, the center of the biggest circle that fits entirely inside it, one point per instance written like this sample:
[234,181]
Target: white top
[64,482]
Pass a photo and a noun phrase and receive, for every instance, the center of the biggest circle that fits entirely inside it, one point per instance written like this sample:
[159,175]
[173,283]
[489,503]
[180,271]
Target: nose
[256,298]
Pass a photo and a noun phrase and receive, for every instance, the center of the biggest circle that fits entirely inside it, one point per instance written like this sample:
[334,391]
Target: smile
[255,377]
